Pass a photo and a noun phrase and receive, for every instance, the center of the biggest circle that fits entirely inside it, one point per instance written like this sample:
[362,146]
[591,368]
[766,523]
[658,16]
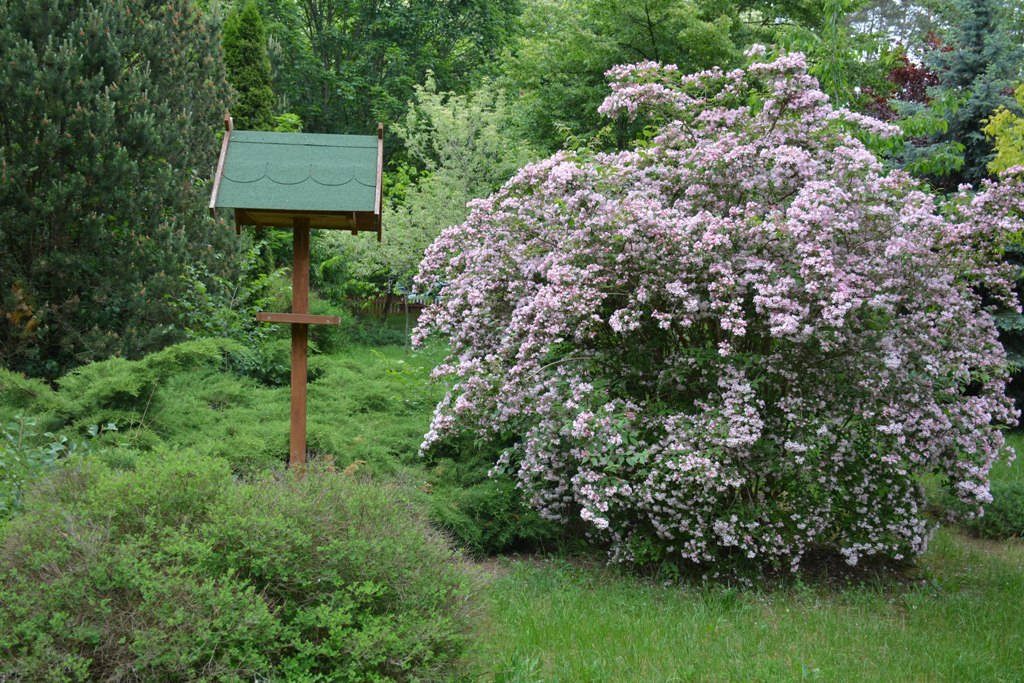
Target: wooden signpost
[300,181]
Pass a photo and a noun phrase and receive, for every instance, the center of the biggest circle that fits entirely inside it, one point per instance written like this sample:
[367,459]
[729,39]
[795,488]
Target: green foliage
[268,362]
[978,66]
[470,137]
[106,135]
[1004,516]
[925,150]
[486,514]
[26,455]
[248,67]
[1011,324]
[344,65]
[489,517]
[20,395]
[211,305]
[557,68]
[120,386]
[198,393]
[328,339]
[904,22]
[177,571]
[850,64]
[467,147]
[187,395]
[333,271]
[368,409]
[287,123]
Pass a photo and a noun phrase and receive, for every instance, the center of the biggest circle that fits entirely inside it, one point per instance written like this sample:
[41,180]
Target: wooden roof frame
[353,221]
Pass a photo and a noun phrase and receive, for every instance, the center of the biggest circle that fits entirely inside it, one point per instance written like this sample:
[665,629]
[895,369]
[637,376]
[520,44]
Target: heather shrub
[737,341]
[177,571]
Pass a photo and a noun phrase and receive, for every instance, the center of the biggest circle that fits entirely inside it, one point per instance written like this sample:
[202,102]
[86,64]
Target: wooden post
[275,204]
[300,305]
[300,320]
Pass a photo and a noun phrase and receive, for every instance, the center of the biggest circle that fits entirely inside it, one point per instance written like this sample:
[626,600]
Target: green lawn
[957,616]
[960,617]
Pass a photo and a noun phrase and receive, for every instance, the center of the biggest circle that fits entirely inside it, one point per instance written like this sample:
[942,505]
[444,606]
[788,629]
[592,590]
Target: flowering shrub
[738,341]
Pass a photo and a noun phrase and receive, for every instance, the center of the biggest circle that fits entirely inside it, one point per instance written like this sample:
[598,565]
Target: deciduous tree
[344,65]
[466,146]
[559,62]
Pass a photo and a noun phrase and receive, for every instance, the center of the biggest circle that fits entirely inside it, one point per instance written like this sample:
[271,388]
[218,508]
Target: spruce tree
[108,129]
[978,67]
[245,55]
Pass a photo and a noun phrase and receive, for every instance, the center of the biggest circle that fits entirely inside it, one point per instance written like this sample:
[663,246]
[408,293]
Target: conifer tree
[108,127]
[977,69]
[245,56]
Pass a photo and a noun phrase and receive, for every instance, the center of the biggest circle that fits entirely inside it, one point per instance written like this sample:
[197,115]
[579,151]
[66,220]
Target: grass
[960,619]
[957,616]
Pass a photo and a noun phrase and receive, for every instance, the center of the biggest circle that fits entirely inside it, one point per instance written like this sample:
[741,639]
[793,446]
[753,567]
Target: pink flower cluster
[739,341]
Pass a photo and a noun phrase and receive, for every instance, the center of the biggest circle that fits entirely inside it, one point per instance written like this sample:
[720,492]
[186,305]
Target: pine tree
[245,55]
[108,127]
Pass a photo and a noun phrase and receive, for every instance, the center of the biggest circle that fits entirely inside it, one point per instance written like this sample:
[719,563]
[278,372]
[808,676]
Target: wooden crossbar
[295,318]
[300,319]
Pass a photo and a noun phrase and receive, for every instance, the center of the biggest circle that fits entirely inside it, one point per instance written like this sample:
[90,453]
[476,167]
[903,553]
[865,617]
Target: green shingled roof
[299,172]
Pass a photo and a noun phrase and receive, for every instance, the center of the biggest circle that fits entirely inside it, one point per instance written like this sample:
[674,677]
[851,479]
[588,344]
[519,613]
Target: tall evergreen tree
[107,130]
[245,56]
[976,68]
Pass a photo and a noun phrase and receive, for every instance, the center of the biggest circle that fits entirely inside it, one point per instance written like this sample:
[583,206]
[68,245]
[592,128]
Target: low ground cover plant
[177,571]
[741,339]
[369,408]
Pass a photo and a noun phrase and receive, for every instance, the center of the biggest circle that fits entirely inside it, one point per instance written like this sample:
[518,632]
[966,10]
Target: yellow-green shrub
[1007,130]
